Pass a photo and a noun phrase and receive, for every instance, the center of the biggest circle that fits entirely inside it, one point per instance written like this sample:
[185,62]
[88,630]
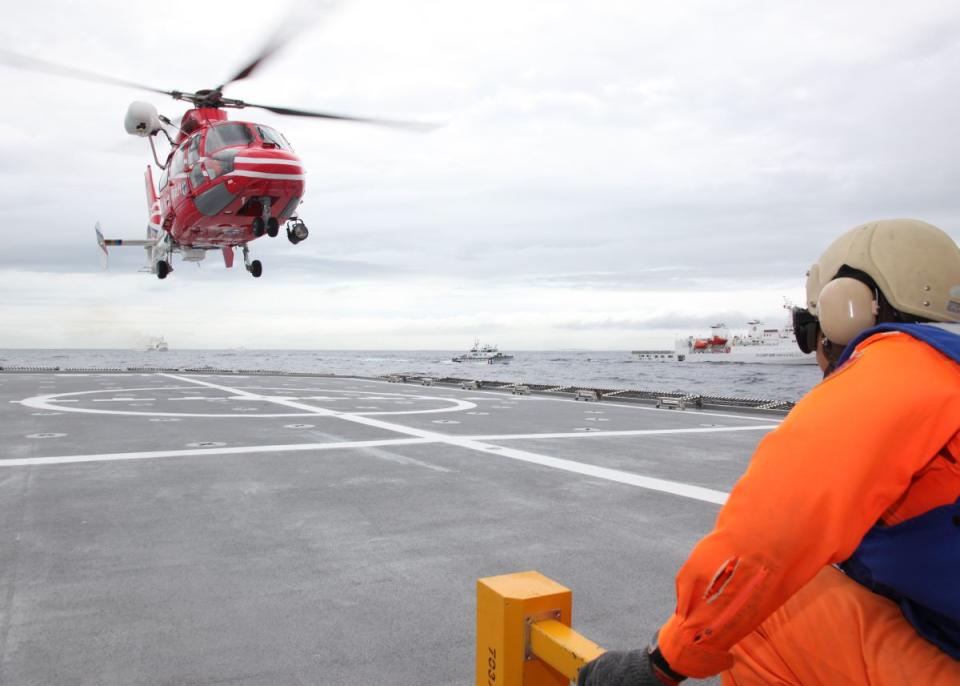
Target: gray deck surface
[190,529]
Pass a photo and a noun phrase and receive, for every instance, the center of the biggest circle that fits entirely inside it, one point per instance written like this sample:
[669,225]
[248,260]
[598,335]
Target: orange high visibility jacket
[878,440]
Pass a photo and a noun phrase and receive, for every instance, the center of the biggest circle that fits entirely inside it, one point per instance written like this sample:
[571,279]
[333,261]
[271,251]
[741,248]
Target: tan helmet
[915,265]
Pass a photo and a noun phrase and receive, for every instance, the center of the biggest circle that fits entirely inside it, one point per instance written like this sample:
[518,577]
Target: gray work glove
[625,668]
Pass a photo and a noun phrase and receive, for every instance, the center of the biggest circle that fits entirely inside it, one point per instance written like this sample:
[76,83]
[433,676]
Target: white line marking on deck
[707,495]
[676,488]
[419,436]
[630,432]
[54,401]
[119,400]
[206,452]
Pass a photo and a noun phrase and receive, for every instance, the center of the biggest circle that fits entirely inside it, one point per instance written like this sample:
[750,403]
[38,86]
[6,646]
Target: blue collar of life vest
[943,337]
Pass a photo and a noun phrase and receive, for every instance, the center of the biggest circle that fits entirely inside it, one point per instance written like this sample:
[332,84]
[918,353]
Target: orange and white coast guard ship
[757,345]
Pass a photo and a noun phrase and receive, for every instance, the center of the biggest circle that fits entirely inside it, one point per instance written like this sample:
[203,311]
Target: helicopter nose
[277,165]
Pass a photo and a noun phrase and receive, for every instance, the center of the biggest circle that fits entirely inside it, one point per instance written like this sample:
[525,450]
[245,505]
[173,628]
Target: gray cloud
[701,149]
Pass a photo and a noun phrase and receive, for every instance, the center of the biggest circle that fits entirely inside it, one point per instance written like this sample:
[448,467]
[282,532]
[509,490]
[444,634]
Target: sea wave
[594,369]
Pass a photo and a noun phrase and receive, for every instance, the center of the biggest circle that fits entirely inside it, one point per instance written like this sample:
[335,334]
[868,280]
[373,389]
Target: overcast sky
[610,174]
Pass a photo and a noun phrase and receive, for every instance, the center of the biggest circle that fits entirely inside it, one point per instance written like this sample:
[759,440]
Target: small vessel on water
[483,354]
[157,344]
[759,345]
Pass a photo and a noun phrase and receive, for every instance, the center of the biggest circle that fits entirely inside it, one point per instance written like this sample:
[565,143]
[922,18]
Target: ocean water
[598,369]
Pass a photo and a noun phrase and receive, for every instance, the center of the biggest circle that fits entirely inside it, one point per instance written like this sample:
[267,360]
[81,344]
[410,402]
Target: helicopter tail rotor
[152,244]
[105,259]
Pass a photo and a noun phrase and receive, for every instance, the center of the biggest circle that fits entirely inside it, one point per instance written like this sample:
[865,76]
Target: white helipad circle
[52,402]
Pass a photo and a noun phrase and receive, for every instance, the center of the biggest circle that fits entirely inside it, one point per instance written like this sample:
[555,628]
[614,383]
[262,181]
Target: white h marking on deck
[420,436]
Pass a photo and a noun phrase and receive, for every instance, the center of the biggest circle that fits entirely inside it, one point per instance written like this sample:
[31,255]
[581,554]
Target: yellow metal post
[561,647]
[523,632]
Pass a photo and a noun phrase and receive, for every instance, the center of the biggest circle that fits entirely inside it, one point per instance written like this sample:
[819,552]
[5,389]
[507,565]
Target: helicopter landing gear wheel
[273,227]
[258,226]
[255,267]
[163,268]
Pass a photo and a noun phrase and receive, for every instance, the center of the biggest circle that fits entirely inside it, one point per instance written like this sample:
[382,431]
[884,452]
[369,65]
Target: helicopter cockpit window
[220,163]
[176,164]
[193,151]
[227,136]
[275,138]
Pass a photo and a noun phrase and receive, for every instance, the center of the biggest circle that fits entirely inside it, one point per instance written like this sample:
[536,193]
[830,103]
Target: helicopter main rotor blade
[302,17]
[392,123]
[271,47]
[13,59]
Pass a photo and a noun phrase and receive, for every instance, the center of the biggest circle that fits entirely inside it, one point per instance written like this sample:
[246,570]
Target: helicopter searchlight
[142,119]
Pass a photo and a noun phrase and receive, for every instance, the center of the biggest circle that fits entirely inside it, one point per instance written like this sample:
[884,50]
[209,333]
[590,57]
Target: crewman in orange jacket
[836,559]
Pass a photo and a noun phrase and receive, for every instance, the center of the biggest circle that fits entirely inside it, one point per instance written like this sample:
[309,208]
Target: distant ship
[759,345]
[484,354]
[157,344]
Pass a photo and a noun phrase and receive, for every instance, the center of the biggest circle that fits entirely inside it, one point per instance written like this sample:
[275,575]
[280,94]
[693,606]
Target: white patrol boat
[484,354]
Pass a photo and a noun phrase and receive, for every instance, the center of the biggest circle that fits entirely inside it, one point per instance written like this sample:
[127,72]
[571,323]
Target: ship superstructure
[759,344]
[483,354]
[655,355]
[157,344]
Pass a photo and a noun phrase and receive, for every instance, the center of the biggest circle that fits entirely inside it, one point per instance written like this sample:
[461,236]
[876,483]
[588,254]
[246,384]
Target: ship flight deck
[184,528]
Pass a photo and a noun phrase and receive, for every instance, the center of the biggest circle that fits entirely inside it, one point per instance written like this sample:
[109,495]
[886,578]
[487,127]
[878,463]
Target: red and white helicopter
[223,183]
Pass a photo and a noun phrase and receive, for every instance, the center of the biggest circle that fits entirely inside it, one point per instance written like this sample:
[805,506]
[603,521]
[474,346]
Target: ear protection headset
[888,270]
[846,307]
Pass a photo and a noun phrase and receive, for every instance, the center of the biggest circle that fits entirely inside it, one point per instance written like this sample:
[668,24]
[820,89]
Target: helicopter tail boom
[149,243]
